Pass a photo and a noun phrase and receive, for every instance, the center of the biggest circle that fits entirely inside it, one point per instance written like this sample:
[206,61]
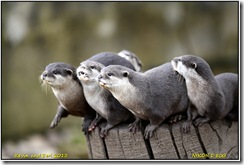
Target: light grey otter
[100,99]
[68,90]
[211,98]
[153,95]
[132,57]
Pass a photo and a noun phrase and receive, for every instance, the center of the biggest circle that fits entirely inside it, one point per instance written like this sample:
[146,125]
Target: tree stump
[215,140]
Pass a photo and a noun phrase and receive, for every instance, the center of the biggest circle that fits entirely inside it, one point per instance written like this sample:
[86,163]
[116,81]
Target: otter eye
[125,74]
[193,65]
[109,74]
[55,72]
[92,67]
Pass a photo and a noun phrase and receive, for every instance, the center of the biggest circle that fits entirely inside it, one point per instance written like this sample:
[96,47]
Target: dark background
[35,34]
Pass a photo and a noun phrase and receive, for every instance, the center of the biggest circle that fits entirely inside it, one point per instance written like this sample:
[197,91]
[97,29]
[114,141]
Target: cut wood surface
[215,140]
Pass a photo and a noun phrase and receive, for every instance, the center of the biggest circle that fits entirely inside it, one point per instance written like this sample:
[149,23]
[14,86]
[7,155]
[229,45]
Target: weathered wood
[186,143]
[89,152]
[215,140]
[120,144]
[97,147]
[220,140]
[162,144]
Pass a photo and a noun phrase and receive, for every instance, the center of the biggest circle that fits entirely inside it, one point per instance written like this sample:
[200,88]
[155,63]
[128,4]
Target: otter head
[114,77]
[190,66]
[136,62]
[88,71]
[58,75]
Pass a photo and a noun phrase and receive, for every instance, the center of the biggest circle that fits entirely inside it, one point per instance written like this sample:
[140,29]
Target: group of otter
[111,86]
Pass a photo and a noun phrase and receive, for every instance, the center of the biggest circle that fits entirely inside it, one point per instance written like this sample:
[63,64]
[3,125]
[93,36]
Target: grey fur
[207,94]
[108,58]
[229,85]
[153,95]
[132,57]
[100,99]
[68,90]
[71,97]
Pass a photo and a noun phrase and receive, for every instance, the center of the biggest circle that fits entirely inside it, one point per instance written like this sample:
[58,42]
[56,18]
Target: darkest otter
[132,57]
[100,99]
[153,95]
[68,90]
[211,97]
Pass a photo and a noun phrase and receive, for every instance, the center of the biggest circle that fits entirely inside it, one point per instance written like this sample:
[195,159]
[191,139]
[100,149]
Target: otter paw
[175,118]
[135,126]
[85,130]
[148,134]
[186,126]
[54,124]
[200,121]
[103,133]
[149,131]
[92,126]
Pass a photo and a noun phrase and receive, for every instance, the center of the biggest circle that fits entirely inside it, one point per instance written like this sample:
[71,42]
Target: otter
[211,98]
[108,58]
[153,95]
[68,90]
[100,99]
[128,55]
[229,85]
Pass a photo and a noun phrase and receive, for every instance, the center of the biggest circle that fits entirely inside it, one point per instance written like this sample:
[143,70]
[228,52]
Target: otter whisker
[45,86]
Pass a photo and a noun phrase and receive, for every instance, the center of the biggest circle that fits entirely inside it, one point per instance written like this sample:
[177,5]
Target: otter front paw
[85,129]
[92,126]
[53,124]
[200,121]
[55,121]
[103,132]
[95,122]
[175,118]
[186,126]
[135,126]
[149,131]
[85,125]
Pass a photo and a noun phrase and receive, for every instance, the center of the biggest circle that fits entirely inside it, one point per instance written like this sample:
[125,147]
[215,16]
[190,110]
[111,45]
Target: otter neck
[68,93]
[130,100]
[92,88]
[202,93]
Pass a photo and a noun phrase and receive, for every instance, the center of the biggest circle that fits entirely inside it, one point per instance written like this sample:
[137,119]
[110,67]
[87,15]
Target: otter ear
[69,71]
[193,65]
[125,73]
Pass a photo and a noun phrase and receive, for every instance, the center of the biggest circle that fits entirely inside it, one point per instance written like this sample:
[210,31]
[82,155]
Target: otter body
[153,95]
[128,55]
[100,99]
[207,94]
[229,85]
[68,90]
[108,58]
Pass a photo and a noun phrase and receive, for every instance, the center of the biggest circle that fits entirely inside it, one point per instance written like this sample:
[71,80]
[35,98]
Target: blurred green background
[35,34]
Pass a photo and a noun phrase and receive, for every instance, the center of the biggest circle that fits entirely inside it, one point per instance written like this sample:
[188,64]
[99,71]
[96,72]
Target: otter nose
[44,75]
[100,77]
[81,73]
[176,59]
